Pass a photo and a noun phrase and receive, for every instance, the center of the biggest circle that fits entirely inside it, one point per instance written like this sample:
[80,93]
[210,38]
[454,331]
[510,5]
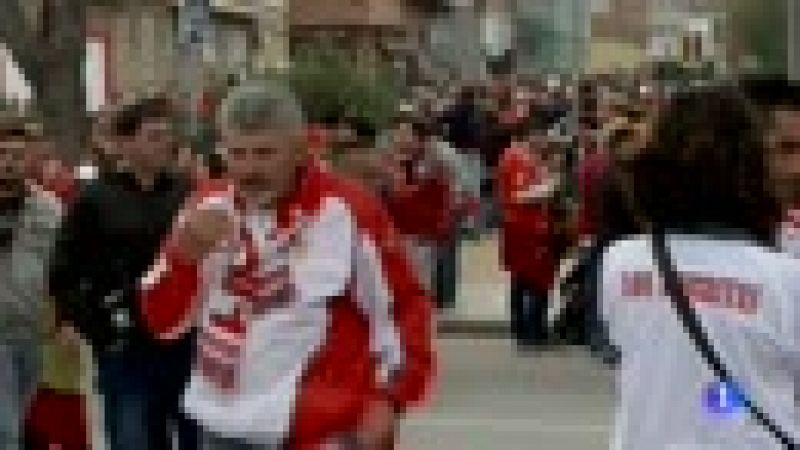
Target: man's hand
[378,427]
[202,231]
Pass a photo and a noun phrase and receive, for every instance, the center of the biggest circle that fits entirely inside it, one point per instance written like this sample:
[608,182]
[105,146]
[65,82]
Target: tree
[333,84]
[47,40]
[760,29]
[536,41]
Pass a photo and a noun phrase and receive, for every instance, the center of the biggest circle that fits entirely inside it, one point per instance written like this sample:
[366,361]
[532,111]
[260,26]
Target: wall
[564,46]
[349,13]
[328,12]
[622,20]
[138,39]
[141,47]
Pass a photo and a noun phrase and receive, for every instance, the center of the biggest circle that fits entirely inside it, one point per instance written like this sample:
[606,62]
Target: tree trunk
[50,53]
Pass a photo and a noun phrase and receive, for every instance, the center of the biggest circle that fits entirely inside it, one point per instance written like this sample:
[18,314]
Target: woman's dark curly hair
[705,167]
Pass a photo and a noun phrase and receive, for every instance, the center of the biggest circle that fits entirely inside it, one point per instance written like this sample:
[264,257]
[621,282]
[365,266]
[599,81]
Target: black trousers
[528,312]
[446,278]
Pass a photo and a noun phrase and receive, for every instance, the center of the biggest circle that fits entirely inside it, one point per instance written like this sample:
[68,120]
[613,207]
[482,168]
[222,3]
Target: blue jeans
[141,392]
[19,366]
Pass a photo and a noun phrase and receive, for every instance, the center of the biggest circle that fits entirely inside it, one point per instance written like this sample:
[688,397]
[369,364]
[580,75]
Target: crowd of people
[281,292]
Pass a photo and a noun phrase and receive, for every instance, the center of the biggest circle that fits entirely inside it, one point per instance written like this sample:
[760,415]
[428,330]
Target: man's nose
[246,167]
[251,162]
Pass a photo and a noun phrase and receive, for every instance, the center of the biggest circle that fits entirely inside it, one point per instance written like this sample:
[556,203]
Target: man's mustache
[254,184]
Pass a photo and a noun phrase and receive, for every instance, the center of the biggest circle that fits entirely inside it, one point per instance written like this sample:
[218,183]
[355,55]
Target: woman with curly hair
[701,307]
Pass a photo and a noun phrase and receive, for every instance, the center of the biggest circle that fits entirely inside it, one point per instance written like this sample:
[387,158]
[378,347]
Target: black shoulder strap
[693,326]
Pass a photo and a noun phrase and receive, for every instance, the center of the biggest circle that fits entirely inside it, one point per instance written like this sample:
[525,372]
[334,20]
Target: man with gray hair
[313,331]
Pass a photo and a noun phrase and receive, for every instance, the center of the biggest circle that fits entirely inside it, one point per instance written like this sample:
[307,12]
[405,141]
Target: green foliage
[536,37]
[761,27]
[331,83]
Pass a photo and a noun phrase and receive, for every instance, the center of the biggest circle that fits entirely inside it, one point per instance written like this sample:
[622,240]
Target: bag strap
[694,327]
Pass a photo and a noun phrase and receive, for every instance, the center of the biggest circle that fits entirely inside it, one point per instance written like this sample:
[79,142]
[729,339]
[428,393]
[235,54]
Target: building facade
[553,35]
[133,47]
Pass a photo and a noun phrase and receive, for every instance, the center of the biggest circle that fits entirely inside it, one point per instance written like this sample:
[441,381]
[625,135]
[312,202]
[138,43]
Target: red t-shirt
[527,235]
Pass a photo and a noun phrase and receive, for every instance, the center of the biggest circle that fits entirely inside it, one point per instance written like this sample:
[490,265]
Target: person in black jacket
[108,241]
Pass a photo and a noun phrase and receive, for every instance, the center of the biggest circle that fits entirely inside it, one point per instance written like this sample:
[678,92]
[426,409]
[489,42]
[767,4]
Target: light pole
[578,46]
[195,31]
[793,39]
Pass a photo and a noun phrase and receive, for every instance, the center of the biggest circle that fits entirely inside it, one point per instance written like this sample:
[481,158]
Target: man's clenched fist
[202,231]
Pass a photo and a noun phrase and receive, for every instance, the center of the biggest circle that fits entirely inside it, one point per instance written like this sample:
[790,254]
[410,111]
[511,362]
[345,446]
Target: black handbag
[694,328]
[570,325]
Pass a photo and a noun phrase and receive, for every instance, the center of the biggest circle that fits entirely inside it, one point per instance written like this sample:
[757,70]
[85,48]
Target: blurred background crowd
[503,125]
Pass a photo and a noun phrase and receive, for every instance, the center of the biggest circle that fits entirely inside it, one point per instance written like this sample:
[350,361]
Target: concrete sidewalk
[481,294]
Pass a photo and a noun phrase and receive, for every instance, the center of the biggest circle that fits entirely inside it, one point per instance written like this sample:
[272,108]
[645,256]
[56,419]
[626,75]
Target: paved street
[489,397]
[482,285]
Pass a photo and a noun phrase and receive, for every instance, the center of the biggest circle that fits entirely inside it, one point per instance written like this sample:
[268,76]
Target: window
[95,75]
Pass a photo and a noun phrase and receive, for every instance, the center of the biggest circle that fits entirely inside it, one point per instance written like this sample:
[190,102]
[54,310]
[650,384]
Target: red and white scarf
[256,289]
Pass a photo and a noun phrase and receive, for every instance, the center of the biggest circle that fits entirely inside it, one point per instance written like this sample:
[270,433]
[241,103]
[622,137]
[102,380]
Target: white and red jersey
[746,296]
[305,316]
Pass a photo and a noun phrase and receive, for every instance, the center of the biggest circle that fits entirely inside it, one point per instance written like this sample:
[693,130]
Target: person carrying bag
[703,199]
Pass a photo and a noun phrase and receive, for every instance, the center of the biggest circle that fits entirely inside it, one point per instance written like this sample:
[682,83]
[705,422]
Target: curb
[473,328]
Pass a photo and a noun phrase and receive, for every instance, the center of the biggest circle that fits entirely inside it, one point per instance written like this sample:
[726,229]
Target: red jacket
[590,174]
[527,238]
[422,206]
[340,381]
